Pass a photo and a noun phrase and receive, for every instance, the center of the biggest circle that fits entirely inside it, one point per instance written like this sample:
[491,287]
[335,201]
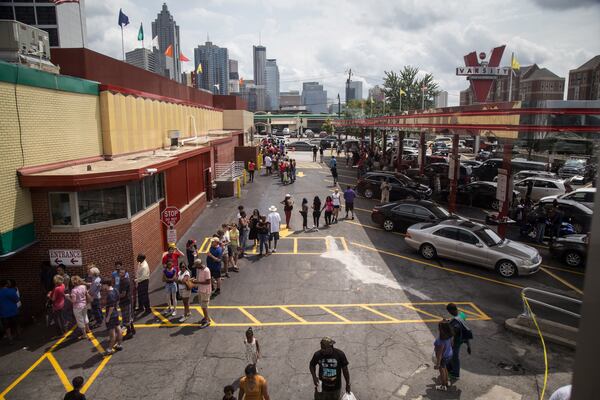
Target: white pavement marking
[500,393]
[402,391]
[364,273]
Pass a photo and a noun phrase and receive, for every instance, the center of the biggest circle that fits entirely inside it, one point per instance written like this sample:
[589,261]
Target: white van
[286,131]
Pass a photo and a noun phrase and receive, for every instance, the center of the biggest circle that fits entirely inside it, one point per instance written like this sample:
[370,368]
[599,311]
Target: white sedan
[542,187]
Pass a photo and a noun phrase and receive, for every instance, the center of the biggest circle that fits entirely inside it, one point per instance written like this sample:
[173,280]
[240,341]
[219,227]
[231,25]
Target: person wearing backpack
[462,334]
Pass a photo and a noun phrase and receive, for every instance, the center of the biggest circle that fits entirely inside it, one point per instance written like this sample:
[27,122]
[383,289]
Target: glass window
[150,190]
[422,212]
[60,209]
[102,205]
[467,237]
[136,197]
[489,237]
[46,15]
[7,13]
[404,209]
[448,233]
[25,15]
[52,36]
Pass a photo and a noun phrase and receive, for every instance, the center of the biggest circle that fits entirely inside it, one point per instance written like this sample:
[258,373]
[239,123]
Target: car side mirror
[479,244]
[431,217]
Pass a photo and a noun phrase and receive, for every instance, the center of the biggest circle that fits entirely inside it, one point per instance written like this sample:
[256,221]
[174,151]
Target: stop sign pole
[170,216]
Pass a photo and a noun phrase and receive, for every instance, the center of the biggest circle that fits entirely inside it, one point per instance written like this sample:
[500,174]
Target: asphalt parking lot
[352,281]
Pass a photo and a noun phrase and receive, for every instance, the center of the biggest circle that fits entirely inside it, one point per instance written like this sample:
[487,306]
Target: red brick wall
[189,215]
[147,237]
[225,152]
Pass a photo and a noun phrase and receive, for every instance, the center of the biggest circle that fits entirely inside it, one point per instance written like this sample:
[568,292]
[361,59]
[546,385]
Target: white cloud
[320,40]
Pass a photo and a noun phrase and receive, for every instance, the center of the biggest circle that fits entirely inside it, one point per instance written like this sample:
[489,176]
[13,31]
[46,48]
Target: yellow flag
[199,69]
[402,92]
[372,100]
[515,64]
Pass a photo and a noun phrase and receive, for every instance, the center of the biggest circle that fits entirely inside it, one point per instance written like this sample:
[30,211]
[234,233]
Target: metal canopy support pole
[384,141]
[454,182]
[400,150]
[372,143]
[423,152]
[506,164]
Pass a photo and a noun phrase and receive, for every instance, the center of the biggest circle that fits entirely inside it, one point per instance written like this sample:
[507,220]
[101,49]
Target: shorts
[329,395]
[81,317]
[215,271]
[336,207]
[444,362]
[113,321]
[350,206]
[170,288]
[233,249]
[274,235]
[204,299]
[185,293]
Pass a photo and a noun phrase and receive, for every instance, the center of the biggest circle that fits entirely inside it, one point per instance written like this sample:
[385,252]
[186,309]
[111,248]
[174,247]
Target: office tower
[441,99]
[354,91]
[234,77]
[168,35]
[145,59]
[314,97]
[215,68]
[259,55]
[272,84]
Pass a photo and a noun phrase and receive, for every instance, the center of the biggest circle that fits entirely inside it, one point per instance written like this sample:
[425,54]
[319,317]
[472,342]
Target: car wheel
[573,258]
[577,227]
[506,268]
[428,251]
[388,225]
[369,193]
[495,205]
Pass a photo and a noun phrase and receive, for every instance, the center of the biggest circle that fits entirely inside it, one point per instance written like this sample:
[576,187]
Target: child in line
[252,347]
[228,390]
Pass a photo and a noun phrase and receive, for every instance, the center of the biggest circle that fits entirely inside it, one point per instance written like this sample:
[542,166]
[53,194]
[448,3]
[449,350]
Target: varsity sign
[482,71]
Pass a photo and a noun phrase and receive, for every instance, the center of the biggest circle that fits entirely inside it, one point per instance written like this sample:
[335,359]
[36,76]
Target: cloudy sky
[321,39]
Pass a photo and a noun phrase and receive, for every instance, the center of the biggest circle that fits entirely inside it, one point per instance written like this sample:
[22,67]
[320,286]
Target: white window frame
[72,206]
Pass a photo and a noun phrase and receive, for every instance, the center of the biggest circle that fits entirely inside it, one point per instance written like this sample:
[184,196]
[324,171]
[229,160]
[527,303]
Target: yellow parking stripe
[160,316]
[250,316]
[59,371]
[374,227]
[374,311]
[293,314]
[561,280]
[334,314]
[564,270]
[409,306]
[95,374]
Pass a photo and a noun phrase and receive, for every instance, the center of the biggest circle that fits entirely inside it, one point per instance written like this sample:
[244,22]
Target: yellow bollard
[245,176]
[239,188]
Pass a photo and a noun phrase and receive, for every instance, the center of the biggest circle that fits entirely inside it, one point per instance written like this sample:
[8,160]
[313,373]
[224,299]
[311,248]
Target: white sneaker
[274,251]
[184,318]
[174,314]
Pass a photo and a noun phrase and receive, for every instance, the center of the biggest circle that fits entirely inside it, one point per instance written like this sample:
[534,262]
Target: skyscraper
[168,35]
[260,60]
[441,99]
[272,84]
[215,68]
[234,76]
[354,91]
[145,59]
[314,97]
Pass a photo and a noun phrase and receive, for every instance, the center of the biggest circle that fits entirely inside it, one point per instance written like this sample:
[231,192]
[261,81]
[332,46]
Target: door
[470,249]
[208,185]
[444,241]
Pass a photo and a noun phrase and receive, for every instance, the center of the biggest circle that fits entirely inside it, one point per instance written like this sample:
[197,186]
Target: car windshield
[575,163]
[440,212]
[488,236]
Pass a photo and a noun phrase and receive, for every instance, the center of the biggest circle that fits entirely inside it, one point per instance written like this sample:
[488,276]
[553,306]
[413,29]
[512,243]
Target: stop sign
[170,216]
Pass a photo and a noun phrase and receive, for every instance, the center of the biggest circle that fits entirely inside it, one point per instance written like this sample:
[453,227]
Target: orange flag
[183,58]
[169,51]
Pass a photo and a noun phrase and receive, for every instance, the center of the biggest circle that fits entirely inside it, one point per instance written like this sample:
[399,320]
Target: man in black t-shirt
[125,302]
[331,362]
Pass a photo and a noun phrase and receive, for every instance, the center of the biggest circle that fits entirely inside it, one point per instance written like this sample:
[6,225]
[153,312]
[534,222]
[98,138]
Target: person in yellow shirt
[253,386]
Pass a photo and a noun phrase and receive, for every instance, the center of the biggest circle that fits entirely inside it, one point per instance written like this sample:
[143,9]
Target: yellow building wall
[54,126]
[131,124]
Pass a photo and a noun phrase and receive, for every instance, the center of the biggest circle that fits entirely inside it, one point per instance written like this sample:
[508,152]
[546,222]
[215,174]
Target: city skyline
[307,54]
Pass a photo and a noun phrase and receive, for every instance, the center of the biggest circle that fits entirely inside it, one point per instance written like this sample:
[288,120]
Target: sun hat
[272,208]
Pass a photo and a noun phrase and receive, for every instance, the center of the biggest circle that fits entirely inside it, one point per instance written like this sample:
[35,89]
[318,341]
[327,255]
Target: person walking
[95,290]
[251,168]
[80,298]
[462,334]
[336,197]
[112,318]
[234,246]
[556,219]
[304,213]
[288,206]
[9,311]
[125,302]
[252,385]
[349,196]
[213,261]
[332,163]
[225,242]
[252,347]
[328,207]
[142,280]
[57,296]
[253,234]
[316,212]
[541,222]
[184,280]
[314,152]
[334,175]
[332,364]
[191,252]
[293,169]
[262,228]
[442,348]
[169,277]
[385,191]
[321,150]
[268,165]
[274,221]
[204,282]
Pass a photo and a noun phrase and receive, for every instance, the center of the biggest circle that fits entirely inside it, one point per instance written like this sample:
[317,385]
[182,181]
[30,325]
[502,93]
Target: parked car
[440,148]
[483,155]
[473,243]
[580,167]
[328,141]
[480,194]
[471,163]
[400,215]
[531,173]
[402,187]
[583,196]
[489,169]
[286,131]
[411,143]
[542,187]
[441,169]
[300,146]
[571,249]
[322,134]
[576,213]
[309,133]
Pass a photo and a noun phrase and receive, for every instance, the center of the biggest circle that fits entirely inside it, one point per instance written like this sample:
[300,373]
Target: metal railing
[231,171]
[526,312]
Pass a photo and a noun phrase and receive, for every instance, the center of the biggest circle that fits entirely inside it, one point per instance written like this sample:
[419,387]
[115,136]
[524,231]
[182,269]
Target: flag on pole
[155,42]
[199,69]
[123,19]
[402,92]
[141,32]
[183,58]
[169,51]
[372,100]
[514,64]
[241,81]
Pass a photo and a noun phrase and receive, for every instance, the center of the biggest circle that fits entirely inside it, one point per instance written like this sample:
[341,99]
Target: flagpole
[81,25]
[512,57]
[122,43]
[400,103]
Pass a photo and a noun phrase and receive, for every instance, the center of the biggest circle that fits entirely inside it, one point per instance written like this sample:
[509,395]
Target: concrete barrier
[553,332]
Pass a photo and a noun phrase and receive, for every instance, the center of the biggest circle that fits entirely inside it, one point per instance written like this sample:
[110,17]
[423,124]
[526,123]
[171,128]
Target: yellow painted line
[467,311]
[250,316]
[373,227]
[374,311]
[295,245]
[160,316]
[95,374]
[564,270]
[23,375]
[344,244]
[340,182]
[363,209]
[96,343]
[344,175]
[59,371]
[338,305]
[561,280]
[411,307]
[308,323]
[456,271]
[334,314]
[484,316]
[293,314]
[62,339]
[201,248]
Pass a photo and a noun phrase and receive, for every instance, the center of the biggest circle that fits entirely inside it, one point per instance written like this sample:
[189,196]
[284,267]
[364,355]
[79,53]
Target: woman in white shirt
[185,290]
[336,197]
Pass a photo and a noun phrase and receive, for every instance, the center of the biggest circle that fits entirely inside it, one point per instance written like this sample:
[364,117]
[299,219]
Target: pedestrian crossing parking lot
[303,245]
[317,314]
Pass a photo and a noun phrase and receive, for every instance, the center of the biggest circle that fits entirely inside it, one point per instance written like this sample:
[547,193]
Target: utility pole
[348,85]
[423,97]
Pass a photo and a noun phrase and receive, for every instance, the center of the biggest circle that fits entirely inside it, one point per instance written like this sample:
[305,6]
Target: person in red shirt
[57,296]
[251,168]
[172,254]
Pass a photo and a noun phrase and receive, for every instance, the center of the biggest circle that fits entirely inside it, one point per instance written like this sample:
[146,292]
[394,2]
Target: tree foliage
[328,126]
[408,80]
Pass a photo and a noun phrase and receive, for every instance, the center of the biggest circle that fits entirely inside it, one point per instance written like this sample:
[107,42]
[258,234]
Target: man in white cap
[274,221]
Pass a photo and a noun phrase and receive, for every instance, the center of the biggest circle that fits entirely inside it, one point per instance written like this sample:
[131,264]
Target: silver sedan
[474,244]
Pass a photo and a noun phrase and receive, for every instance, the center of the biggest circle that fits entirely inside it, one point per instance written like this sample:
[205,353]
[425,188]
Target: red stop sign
[170,216]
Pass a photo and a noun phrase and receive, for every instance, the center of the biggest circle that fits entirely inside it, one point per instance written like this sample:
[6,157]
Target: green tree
[328,126]
[407,81]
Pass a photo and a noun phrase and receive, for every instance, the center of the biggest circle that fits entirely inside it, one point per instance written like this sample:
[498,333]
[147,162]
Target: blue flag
[123,19]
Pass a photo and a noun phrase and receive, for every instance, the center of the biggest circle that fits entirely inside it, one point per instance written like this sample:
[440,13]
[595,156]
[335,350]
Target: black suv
[572,249]
[577,167]
[401,186]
